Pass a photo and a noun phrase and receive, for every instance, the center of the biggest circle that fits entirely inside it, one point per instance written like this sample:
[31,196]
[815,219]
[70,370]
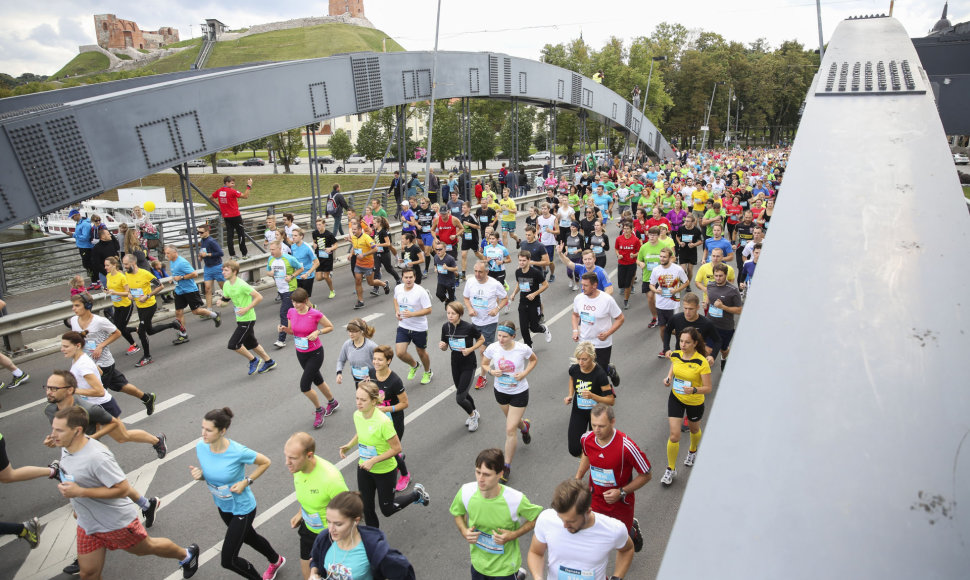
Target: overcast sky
[41,36]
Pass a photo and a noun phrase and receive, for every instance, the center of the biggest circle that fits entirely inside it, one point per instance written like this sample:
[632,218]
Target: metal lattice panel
[73,154]
[31,146]
[368,90]
[474,82]
[628,116]
[523,82]
[417,84]
[507,70]
[319,101]
[866,78]
[493,88]
[588,98]
[576,96]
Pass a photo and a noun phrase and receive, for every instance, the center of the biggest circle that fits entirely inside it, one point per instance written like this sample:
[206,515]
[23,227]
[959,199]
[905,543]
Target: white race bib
[311,520]
[602,477]
[566,573]
[220,491]
[587,317]
[487,542]
[680,385]
[301,342]
[715,312]
[360,373]
[457,344]
[366,451]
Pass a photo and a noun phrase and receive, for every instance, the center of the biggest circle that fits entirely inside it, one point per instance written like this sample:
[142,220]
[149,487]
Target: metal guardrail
[13,326]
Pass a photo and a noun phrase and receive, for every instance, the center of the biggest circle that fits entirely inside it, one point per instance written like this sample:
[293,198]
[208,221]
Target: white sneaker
[689,461]
[668,477]
[279,344]
[472,421]
[548,334]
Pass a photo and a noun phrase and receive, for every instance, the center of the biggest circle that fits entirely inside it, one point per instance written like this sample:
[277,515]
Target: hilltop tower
[354,8]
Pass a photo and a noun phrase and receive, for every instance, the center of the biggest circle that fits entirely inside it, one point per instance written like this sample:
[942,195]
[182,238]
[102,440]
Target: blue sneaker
[267,366]
[253,365]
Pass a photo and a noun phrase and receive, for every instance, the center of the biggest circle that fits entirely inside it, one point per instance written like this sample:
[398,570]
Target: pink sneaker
[318,419]
[270,572]
[403,482]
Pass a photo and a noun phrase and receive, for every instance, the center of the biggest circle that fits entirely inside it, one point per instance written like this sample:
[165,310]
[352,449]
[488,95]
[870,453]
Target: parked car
[254,161]
[540,155]
[320,160]
[960,159]
[295,161]
[356,158]
[197,163]
[226,163]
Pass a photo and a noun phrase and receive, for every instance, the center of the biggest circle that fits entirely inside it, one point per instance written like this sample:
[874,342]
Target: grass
[188,42]
[82,64]
[966,191]
[122,55]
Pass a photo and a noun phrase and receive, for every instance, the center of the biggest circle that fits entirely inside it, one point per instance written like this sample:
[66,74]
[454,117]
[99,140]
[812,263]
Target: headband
[506,330]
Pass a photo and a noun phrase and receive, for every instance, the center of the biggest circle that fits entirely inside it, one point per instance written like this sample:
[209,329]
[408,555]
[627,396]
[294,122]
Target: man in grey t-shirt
[97,487]
[723,303]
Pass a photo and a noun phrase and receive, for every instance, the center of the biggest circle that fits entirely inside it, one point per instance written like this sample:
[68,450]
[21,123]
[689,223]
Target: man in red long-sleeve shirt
[226,197]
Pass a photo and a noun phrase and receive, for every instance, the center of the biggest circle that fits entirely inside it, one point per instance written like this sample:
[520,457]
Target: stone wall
[354,8]
[113,33]
[297,23]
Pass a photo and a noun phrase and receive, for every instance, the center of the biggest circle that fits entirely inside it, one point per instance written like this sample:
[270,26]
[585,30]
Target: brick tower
[354,8]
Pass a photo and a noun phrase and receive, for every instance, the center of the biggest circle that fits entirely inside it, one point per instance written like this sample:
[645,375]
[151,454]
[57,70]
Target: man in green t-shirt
[376,209]
[244,300]
[317,482]
[648,258]
[492,517]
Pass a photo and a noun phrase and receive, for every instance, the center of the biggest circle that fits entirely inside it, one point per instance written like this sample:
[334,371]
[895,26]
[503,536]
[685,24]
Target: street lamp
[727,129]
[707,119]
[646,95]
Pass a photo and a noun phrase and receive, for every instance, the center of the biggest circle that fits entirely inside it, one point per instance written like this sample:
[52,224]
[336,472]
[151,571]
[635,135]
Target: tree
[212,160]
[526,117]
[567,131]
[340,145]
[444,139]
[287,146]
[483,139]
[256,144]
[371,140]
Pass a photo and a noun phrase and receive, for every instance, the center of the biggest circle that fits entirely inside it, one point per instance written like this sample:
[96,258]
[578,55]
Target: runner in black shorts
[686,240]
[469,236]
[324,244]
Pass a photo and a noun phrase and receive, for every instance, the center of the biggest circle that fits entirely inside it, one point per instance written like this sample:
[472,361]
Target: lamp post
[707,119]
[821,46]
[727,130]
[646,95]
[434,71]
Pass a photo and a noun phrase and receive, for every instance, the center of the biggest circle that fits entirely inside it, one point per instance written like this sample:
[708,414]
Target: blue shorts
[418,337]
[551,252]
[488,332]
[508,226]
[365,272]
[427,239]
[213,273]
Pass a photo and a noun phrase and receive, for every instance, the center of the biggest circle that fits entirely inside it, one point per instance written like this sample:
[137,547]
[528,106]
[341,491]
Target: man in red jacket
[226,197]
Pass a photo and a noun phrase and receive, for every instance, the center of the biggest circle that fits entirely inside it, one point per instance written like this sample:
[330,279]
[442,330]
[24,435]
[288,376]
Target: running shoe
[653,323]
[423,497]
[180,339]
[403,482]
[330,408]
[279,344]
[480,382]
[723,363]
[387,288]
[552,278]
[668,477]
[506,473]
[318,418]
[542,318]
[426,377]
[548,333]
[17,381]
[73,568]
[626,305]
[636,536]
[521,574]
[684,427]
[526,436]
[150,403]
[3,385]
[267,366]
[412,371]
[31,533]
[277,299]
[160,448]
[270,573]
[472,421]
[217,320]
[253,365]
[359,305]
[191,564]
[145,361]
[332,294]
[94,286]
[614,376]
[375,292]
[132,349]
[662,354]
[55,467]
[149,512]
[691,456]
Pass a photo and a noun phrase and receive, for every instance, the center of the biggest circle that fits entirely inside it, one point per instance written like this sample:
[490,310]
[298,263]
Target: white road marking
[22,408]
[167,403]
[373,316]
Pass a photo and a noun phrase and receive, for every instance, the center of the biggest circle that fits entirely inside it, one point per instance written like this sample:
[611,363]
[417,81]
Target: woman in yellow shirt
[117,289]
[689,380]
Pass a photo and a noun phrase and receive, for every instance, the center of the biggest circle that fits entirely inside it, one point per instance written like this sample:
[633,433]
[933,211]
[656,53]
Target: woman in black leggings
[222,464]
[117,289]
[306,324]
[394,402]
[462,339]
[142,284]
[588,385]
[385,249]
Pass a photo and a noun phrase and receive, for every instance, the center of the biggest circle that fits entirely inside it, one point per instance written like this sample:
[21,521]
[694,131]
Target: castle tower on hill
[113,32]
[354,8]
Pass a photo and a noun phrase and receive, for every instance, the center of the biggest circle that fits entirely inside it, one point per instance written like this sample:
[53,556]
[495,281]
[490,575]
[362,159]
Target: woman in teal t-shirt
[377,444]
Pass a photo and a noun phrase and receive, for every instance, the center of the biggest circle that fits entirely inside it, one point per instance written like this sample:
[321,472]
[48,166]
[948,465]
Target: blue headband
[506,330]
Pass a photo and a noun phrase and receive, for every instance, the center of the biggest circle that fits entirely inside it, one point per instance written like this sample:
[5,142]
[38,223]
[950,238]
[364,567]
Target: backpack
[331,205]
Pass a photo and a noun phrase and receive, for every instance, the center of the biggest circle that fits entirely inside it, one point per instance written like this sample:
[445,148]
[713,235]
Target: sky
[41,36]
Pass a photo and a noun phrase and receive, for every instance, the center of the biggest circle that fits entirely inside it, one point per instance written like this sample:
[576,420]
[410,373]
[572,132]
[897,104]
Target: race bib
[479,302]
[468,235]
[360,373]
[137,292]
[456,344]
[587,317]
[565,223]
[116,298]
[405,308]
[90,345]
[426,229]
[219,491]
[567,573]
[680,385]
[584,403]
[571,250]
[665,292]
[487,542]
[441,269]
[715,312]
[688,238]
[602,477]
[239,311]
[449,247]
[525,286]
[366,451]
[506,380]
[311,520]
[483,219]
[301,342]
[652,265]
[597,249]
[358,251]
[323,253]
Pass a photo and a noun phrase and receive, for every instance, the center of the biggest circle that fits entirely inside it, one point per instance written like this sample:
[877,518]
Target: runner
[307,324]
[588,264]
[444,228]
[723,303]
[690,318]
[627,246]
[531,282]
[484,297]
[424,216]
[705,274]
[690,379]
[491,518]
[383,249]
[667,281]
[507,211]
[358,351]
[244,300]
[648,258]
[596,316]
[269,234]
[28,531]
[412,305]
[599,243]
[742,234]
[227,198]
[394,400]
[362,247]
[717,241]
[447,269]
[687,239]
[118,291]
[497,256]
[570,540]
[377,445]
[469,236]
[411,256]
[186,293]
[211,253]
[462,339]
[548,226]
[142,288]
[317,482]
[611,457]
[747,271]
[285,269]
[572,246]
[97,488]
[510,362]
[308,259]
[324,244]
[222,466]
[351,551]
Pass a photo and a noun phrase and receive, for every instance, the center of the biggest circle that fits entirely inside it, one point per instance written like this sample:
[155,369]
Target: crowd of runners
[683,236]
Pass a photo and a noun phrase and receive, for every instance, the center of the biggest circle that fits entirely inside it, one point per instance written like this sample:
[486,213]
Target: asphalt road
[269,408]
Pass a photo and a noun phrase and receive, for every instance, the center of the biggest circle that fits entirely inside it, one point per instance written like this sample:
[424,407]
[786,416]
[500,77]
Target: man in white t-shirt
[596,316]
[548,227]
[484,298]
[412,305]
[667,281]
[572,541]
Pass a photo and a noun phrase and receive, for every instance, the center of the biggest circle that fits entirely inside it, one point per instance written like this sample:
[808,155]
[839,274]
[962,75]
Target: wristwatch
[249,480]
[622,493]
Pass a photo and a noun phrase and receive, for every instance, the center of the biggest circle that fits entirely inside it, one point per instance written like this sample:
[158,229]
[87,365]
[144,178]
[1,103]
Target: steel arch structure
[67,146]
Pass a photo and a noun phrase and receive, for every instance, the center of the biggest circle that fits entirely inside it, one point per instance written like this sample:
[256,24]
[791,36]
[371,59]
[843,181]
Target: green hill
[83,64]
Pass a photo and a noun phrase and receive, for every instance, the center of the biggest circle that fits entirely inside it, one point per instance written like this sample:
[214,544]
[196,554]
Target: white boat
[114,213]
